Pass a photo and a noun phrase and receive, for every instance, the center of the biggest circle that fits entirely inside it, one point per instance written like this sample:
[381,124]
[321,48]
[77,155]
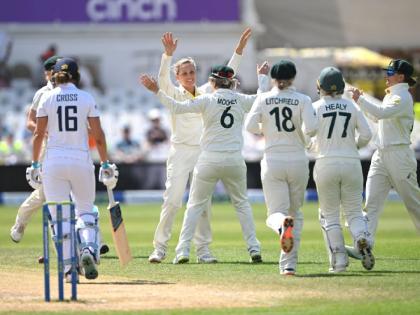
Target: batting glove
[33,175]
[108,174]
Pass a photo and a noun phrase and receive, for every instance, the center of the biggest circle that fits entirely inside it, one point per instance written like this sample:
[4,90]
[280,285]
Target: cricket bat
[118,230]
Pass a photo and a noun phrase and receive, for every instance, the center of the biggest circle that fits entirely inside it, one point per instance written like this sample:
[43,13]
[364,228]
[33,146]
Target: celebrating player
[285,117]
[221,143]
[394,163]
[338,171]
[185,148]
[65,114]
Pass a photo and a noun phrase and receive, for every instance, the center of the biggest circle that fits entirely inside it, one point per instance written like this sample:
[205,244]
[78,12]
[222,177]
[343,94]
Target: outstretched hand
[169,43]
[264,68]
[356,93]
[243,41]
[149,83]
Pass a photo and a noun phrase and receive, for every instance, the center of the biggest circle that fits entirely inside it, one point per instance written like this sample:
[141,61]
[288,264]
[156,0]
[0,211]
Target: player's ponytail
[61,77]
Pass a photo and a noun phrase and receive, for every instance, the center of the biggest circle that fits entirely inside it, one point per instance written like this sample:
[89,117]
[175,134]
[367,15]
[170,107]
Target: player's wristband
[35,164]
[105,164]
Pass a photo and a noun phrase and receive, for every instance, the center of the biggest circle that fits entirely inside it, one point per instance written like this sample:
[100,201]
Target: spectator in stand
[156,149]
[128,150]
[11,150]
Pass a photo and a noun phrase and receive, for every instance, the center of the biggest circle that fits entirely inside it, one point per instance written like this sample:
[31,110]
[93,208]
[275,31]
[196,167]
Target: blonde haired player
[394,163]
[221,143]
[338,171]
[185,148]
[284,116]
[65,114]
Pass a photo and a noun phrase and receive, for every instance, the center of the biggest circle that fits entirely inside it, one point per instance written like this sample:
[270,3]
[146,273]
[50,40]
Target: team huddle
[206,143]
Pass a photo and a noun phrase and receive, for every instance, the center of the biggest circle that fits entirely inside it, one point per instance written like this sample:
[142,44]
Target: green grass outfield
[393,287]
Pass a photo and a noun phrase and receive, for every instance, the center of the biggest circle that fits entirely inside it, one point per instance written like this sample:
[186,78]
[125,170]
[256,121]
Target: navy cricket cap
[222,72]
[402,66]
[283,70]
[50,62]
[68,65]
[331,80]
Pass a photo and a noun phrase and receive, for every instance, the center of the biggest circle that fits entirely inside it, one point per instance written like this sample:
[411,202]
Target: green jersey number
[333,116]
[283,124]
[226,120]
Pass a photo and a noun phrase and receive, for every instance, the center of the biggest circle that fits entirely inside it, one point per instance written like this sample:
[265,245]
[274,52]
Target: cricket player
[221,143]
[284,116]
[36,198]
[394,163]
[185,148]
[343,129]
[64,114]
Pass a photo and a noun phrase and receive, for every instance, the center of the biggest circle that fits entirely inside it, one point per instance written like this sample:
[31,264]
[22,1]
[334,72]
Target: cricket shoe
[256,257]
[206,259]
[368,260]
[337,269]
[353,252]
[288,272]
[88,264]
[181,259]
[340,262]
[157,256]
[16,232]
[67,275]
[286,235]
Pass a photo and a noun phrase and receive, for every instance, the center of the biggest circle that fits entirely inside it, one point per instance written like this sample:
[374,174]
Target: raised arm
[235,60]
[195,105]
[392,108]
[310,122]
[263,79]
[164,77]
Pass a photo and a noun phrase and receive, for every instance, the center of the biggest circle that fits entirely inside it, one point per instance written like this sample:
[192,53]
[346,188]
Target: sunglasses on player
[390,72]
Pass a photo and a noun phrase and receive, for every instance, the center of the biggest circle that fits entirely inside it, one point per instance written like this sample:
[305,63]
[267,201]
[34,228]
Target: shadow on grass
[116,257]
[133,282]
[372,273]
[332,275]
[395,271]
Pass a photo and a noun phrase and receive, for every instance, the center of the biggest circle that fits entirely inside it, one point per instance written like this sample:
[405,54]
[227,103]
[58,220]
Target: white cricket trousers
[394,166]
[65,172]
[180,165]
[339,182]
[31,204]
[284,184]
[230,168]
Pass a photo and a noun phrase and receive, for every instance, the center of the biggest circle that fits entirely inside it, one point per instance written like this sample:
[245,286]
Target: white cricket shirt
[223,114]
[67,109]
[395,116]
[338,120]
[286,116]
[38,95]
